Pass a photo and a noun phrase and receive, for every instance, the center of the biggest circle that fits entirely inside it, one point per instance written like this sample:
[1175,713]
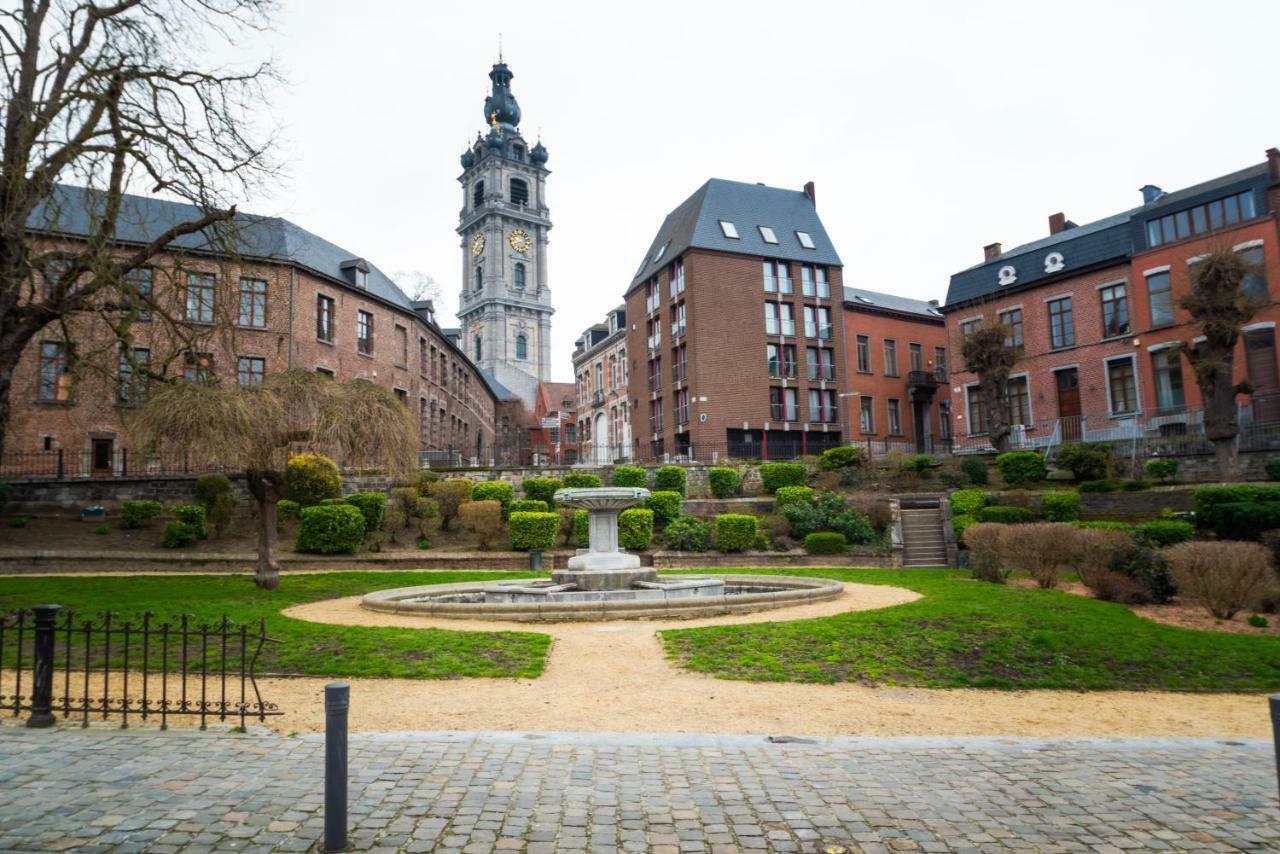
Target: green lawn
[309,649]
[971,634]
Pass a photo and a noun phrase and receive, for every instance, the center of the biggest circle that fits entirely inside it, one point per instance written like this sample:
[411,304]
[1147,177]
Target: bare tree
[1219,306]
[417,285]
[106,97]
[251,428]
[990,355]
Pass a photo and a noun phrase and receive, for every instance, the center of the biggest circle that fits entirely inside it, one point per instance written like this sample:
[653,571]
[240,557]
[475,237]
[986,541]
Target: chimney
[1273,164]
[1057,223]
[813,195]
[990,251]
[1150,193]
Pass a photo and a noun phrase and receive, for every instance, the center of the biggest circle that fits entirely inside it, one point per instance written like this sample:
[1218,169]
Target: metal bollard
[42,667]
[1275,732]
[337,700]
[535,560]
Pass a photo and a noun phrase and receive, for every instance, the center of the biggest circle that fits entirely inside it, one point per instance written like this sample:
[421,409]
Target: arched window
[519,192]
[477,194]
[519,276]
[522,346]
[475,346]
[479,283]
[479,442]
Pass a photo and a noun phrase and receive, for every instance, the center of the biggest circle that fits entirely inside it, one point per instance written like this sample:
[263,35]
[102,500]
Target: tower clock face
[519,240]
[477,244]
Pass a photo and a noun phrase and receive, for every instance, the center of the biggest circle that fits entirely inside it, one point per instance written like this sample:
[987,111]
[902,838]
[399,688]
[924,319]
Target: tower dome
[538,154]
[501,104]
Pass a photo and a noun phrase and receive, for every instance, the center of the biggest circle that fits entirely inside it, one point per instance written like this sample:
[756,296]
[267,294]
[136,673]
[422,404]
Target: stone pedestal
[603,566]
[604,579]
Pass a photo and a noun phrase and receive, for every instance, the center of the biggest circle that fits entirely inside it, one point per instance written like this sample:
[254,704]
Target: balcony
[921,385]
[597,398]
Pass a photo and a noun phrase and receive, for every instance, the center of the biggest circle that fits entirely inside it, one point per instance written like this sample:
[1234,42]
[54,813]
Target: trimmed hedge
[135,514]
[582,528]
[1019,467]
[209,487]
[542,489]
[372,505]
[671,479]
[495,490]
[178,534]
[330,529]
[735,532]
[533,530]
[1244,520]
[194,515]
[311,478]
[529,505]
[635,528]
[1135,485]
[1061,506]
[286,509]
[723,482]
[630,476]
[1100,486]
[976,470]
[1218,508]
[968,501]
[1164,532]
[665,506]
[687,534]
[959,523]
[791,494]
[825,543]
[1005,515]
[582,480]
[1105,525]
[1164,470]
[842,457]
[1085,460]
[774,476]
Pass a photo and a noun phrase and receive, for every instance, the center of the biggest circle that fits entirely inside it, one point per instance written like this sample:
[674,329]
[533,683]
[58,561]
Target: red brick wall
[878,385]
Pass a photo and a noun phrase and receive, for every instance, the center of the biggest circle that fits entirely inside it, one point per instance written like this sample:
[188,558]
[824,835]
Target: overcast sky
[930,129]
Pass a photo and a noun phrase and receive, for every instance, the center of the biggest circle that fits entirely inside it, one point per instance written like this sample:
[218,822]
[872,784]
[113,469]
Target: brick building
[600,376]
[896,361]
[553,436]
[737,292]
[1095,309]
[283,298]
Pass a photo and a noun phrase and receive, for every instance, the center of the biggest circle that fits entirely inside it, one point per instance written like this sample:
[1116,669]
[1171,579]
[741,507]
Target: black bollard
[535,560]
[42,667]
[1275,732]
[337,700]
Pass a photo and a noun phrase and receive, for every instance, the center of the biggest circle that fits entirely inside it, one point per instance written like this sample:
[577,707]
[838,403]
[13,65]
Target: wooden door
[1069,404]
[102,457]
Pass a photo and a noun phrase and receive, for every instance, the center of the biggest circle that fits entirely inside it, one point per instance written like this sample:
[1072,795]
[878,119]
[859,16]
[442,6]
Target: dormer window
[362,279]
[730,230]
[766,234]
[805,240]
[356,271]
[519,192]
[657,256]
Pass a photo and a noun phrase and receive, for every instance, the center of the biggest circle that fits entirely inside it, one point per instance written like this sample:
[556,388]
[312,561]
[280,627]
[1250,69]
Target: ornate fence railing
[55,663]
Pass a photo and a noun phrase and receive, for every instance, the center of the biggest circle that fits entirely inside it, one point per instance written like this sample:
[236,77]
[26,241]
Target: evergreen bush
[723,482]
[665,506]
[581,480]
[968,501]
[1019,467]
[542,489]
[528,505]
[209,487]
[975,469]
[1160,533]
[135,514]
[372,505]
[494,490]
[635,528]
[671,479]
[1061,506]
[330,529]
[1163,470]
[735,532]
[630,476]
[841,457]
[1085,460]
[791,494]
[178,534]
[774,476]
[195,516]
[532,530]
[825,543]
[1005,515]
[687,534]
[311,478]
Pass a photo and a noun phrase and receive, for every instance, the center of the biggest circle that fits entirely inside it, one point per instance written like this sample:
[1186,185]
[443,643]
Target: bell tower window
[522,347]
[475,347]
[519,192]
[477,194]
[519,276]
[479,283]
[517,151]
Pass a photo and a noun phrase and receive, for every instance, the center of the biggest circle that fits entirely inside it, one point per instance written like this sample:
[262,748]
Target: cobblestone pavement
[112,790]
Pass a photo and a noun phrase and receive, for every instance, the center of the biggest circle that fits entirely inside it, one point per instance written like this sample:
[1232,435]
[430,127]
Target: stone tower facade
[505,307]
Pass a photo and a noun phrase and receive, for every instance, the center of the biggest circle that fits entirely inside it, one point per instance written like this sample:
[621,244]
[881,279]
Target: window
[325,372]
[810,322]
[364,333]
[823,316]
[1115,311]
[477,194]
[677,320]
[198,367]
[915,357]
[655,374]
[1019,402]
[252,370]
[822,406]
[977,411]
[653,329]
[655,416]
[773,359]
[362,279]
[200,297]
[479,276]
[1062,328]
[777,277]
[969,327]
[662,250]
[1122,386]
[1255,278]
[730,230]
[766,234]
[682,406]
[676,278]
[402,345]
[140,280]
[518,274]
[821,363]
[940,361]
[782,404]
[522,347]
[324,318]
[867,414]
[1202,218]
[789,361]
[55,373]
[475,347]
[652,296]
[680,363]
[805,240]
[133,374]
[519,192]
[806,280]
[1167,366]
[820,276]
[779,318]
[864,354]
[1011,320]
[944,421]
[1161,299]
[890,357]
[895,417]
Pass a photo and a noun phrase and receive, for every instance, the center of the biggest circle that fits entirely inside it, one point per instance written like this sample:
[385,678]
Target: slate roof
[891,302]
[500,391]
[695,223]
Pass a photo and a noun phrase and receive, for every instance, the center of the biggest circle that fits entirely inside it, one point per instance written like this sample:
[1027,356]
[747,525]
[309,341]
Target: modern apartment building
[600,374]
[1095,310]
[740,283]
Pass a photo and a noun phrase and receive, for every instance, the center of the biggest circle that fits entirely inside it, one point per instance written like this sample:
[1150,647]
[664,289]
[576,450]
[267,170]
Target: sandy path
[614,676]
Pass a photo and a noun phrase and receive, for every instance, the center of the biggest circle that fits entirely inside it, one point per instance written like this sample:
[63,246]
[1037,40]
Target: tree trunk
[1224,453]
[13,342]
[268,574]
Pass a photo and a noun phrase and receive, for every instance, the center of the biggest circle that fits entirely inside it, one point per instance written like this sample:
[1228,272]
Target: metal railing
[106,667]
[62,464]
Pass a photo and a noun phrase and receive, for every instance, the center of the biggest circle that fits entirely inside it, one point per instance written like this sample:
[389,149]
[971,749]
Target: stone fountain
[603,566]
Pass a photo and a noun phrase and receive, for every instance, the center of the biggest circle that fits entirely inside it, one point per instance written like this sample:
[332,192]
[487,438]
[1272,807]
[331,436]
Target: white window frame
[729,229]
[767,235]
[1031,413]
[806,240]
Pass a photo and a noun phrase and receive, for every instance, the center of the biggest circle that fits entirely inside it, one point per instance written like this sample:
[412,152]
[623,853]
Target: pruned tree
[251,429]
[99,100]
[417,285]
[1219,307]
[989,355]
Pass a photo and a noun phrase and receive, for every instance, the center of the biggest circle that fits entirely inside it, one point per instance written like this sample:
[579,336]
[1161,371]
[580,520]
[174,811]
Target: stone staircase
[922,539]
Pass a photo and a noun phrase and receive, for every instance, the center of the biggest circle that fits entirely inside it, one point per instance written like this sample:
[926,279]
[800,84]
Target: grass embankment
[309,649]
[971,634]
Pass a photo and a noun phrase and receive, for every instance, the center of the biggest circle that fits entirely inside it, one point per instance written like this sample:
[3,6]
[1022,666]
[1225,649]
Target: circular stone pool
[665,597]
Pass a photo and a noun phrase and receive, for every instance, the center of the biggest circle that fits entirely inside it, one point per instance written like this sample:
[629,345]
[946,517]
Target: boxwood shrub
[582,528]
[959,523]
[723,482]
[1005,515]
[665,506]
[735,532]
[178,534]
[791,494]
[529,505]
[1105,525]
[494,490]
[286,509]
[1085,460]
[1136,485]
[975,469]
[1019,467]
[1100,486]
[635,528]
[774,476]
[330,529]
[842,457]
[968,501]
[687,534]
[671,479]
[209,487]
[135,514]
[825,543]
[629,476]
[1061,506]
[311,478]
[542,489]
[581,480]
[1243,520]
[1164,470]
[1163,532]
[531,530]
[372,505]
[195,516]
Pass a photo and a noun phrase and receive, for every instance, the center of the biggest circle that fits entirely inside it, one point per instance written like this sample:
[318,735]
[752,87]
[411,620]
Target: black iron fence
[101,462]
[55,663]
